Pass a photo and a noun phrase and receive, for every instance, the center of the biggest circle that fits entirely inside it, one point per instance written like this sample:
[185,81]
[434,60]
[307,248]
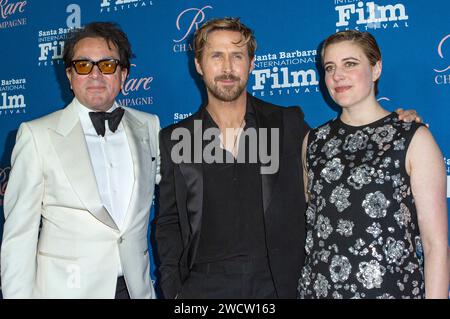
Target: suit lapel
[70,145]
[268,121]
[193,174]
[138,141]
[193,177]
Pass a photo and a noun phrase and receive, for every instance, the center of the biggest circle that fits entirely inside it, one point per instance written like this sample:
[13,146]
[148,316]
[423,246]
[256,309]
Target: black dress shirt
[233,219]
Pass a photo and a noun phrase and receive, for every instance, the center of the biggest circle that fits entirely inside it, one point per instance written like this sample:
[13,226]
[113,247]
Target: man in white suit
[81,185]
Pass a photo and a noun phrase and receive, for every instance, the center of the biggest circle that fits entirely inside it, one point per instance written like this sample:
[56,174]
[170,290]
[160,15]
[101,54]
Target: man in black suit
[231,210]
[229,229]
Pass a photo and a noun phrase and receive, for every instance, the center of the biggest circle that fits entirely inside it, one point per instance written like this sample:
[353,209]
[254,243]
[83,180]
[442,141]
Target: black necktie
[98,120]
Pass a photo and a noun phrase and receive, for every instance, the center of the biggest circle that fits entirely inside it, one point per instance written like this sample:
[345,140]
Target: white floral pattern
[360,176]
[340,268]
[383,134]
[339,197]
[362,238]
[355,142]
[375,205]
[332,170]
[371,274]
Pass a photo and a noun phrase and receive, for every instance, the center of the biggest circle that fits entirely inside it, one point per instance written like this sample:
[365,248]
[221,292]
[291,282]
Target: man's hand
[409,115]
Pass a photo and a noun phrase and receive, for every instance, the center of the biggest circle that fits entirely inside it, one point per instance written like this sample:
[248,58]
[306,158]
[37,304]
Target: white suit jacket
[75,251]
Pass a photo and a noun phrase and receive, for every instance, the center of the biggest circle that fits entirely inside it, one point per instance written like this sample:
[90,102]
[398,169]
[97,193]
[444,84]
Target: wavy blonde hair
[227,24]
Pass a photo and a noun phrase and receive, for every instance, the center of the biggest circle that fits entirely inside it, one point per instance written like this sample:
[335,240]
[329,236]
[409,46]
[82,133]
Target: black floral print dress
[363,239]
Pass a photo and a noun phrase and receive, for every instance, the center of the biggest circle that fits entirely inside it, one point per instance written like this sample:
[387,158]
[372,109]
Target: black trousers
[231,279]
[121,289]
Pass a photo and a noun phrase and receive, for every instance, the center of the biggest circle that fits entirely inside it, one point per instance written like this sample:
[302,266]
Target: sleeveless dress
[363,239]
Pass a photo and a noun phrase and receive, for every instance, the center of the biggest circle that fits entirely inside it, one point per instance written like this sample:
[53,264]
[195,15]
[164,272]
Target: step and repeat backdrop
[414,37]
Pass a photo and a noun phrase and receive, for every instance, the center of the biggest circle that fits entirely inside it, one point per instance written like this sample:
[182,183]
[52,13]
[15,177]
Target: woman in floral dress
[377,216]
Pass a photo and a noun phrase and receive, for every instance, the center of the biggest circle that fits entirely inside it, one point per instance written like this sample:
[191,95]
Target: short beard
[226,95]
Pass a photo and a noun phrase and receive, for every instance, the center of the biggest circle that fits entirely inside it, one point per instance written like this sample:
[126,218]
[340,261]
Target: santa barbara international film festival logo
[284,73]
[136,85]
[11,13]
[107,6]
[4,175]
[187,22]
[367,15]
[443,73]
[12,97]
[51,41]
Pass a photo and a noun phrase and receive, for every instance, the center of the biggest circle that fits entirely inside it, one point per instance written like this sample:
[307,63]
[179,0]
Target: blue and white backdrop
[414,37]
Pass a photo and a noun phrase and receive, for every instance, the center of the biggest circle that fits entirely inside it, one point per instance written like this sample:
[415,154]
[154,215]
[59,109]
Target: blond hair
[227,24]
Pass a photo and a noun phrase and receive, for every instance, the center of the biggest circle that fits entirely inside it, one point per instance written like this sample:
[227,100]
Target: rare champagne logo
[443,74]
[188,21]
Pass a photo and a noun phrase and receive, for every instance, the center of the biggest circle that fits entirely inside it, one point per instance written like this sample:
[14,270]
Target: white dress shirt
[113,166]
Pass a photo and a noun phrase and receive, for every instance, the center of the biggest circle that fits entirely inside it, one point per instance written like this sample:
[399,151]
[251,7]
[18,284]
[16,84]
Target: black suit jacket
[178,223]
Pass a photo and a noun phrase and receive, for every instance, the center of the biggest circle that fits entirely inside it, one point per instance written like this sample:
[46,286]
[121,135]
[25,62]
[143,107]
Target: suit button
[120,240]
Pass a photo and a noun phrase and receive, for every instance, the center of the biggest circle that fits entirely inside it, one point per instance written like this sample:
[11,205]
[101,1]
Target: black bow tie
[98,120]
